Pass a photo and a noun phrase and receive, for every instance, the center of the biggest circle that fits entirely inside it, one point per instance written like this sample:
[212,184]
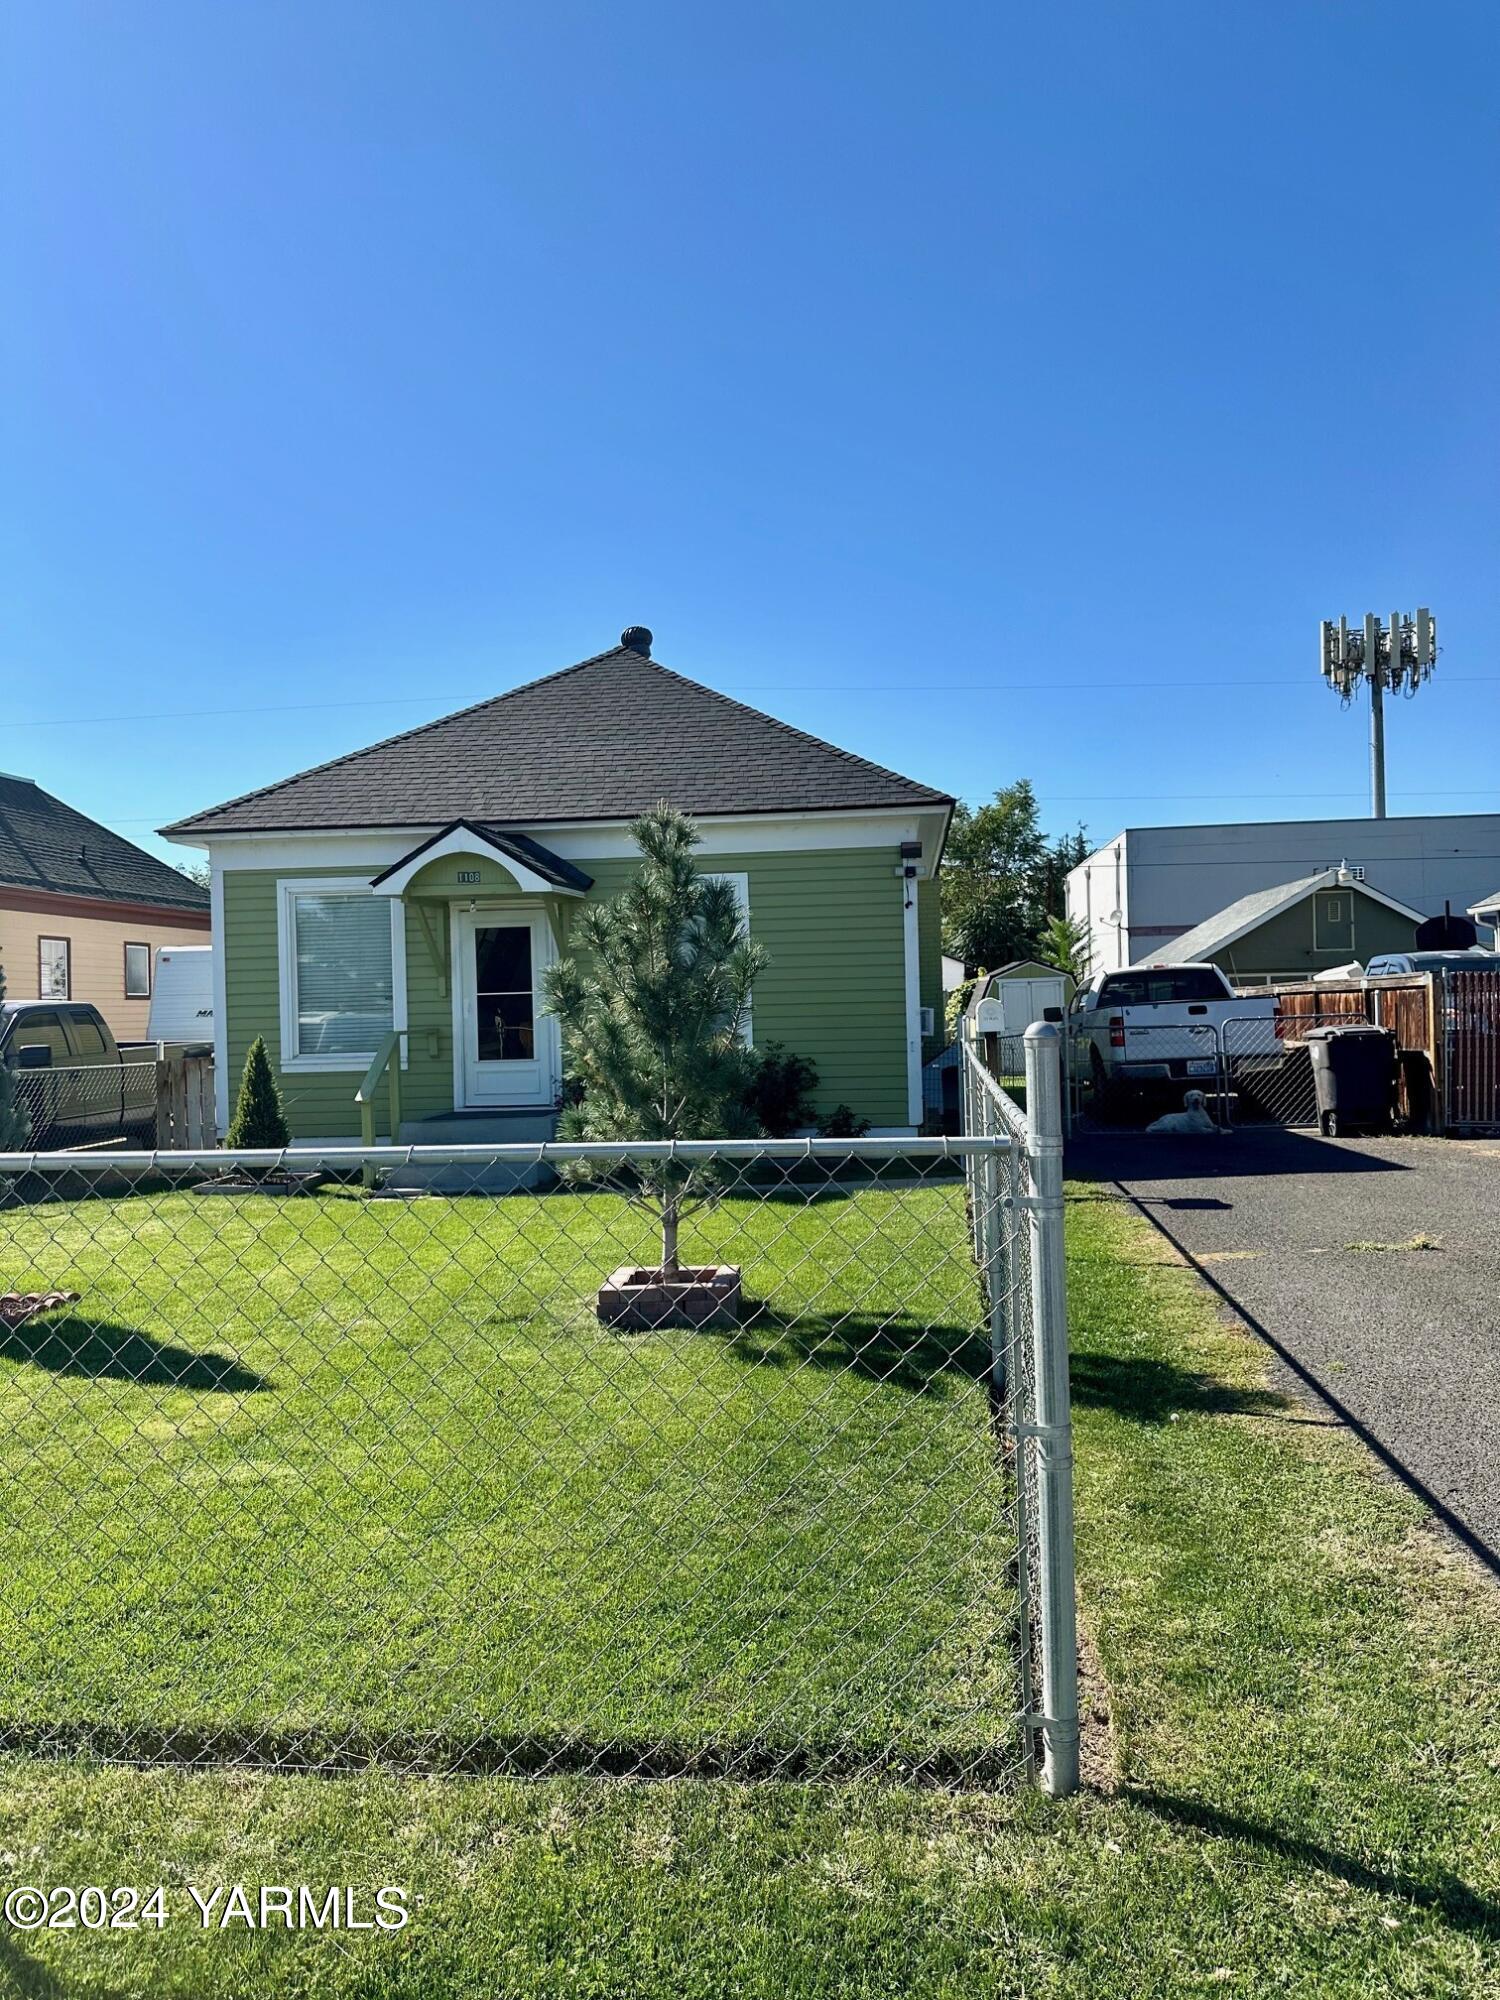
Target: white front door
[503,1040]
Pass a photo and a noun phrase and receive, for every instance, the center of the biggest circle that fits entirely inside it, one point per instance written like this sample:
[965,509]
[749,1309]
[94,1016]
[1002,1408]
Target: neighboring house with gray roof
[1296,930]
[423,884]
[83,912]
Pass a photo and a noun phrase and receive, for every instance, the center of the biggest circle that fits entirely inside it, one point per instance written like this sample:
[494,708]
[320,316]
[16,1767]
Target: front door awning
[536,869]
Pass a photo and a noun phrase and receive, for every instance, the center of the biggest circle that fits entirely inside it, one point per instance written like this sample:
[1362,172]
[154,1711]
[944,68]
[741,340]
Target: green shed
[1297,930]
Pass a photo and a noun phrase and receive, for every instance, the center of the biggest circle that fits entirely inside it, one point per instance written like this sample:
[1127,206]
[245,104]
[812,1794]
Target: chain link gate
[1267,1067]
[307,1477]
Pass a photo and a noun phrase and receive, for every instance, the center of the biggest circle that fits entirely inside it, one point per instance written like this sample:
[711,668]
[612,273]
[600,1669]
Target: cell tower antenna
[1399,657]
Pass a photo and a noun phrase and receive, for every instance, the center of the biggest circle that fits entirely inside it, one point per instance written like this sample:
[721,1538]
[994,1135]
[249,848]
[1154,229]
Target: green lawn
[1306,1795]
[337,1472]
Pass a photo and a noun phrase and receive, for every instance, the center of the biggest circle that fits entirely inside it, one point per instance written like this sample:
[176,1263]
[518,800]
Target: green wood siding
[463,875]
[834,991]
[1284,947]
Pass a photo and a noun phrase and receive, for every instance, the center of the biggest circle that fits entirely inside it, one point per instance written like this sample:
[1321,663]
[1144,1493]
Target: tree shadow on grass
[923,1357]
[96,1350]
[1454,1900]
[1153,1392]
[28,1979]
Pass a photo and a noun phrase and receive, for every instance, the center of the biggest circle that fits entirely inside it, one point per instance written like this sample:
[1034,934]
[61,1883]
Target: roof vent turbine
[637,639]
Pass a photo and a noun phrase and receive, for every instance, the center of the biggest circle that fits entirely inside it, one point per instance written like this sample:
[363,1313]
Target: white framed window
[54,968]
[343,972]
[741,887]
[137,972]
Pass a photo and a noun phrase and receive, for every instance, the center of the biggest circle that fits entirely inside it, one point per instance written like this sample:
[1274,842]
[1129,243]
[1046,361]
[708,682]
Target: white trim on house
[546,1027]
[468,840]
[347,1062]
[911,951]
[582,840]
[216,933]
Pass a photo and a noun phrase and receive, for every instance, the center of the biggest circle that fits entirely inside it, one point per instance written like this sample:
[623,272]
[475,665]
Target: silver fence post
[1052,1421]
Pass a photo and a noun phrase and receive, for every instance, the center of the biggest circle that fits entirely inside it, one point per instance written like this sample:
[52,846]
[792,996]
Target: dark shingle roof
[45,846]
[605,739]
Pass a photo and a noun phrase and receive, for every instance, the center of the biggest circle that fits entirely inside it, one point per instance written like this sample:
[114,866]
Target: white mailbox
[1013,1004]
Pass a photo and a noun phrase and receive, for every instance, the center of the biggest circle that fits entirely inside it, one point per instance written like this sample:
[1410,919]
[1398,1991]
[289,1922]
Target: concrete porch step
[498,1127]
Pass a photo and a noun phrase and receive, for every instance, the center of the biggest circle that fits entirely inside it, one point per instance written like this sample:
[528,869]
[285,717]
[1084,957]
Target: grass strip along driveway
[1305,1799]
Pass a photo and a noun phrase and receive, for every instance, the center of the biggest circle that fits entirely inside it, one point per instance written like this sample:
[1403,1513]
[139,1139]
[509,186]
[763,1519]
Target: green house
[1297,930]
[418,888]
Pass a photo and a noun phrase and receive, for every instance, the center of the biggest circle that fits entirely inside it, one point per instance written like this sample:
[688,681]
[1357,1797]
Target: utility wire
[749,687]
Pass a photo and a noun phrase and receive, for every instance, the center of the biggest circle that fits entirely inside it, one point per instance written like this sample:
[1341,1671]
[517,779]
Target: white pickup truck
[1155,1025]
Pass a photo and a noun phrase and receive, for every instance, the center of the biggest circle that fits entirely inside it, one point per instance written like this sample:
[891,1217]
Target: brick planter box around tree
[642,1300]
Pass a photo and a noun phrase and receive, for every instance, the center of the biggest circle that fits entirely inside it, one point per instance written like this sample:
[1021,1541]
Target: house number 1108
[468,874]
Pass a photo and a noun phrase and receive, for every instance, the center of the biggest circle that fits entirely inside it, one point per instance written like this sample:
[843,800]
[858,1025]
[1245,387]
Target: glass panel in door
[505,1009]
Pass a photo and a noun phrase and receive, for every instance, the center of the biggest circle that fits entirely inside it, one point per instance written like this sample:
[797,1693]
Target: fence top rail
[104,1069]
[542,1152]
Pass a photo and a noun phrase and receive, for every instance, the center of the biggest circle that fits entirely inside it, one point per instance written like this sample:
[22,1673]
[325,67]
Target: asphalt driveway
[1315,1243]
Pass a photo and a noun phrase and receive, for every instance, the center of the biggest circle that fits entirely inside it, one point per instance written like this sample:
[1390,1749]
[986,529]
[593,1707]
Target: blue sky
[998,391]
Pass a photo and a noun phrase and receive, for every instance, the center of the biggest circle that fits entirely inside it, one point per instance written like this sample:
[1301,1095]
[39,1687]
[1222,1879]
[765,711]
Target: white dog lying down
[1193,1117]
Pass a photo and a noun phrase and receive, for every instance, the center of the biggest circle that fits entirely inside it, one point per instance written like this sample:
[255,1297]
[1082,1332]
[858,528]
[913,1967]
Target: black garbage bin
[1354,1073]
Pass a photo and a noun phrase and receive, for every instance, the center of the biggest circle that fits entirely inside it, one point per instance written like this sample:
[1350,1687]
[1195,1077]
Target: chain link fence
[1016,1210]
[446,1476]
[1268,1071]
[1252,1070]
[1125,1075]
[89,1104]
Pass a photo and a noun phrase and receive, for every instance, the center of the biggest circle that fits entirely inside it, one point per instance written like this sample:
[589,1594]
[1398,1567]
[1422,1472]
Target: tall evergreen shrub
[259,1120]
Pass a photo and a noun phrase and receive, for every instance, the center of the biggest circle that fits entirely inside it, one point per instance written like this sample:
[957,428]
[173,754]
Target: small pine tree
[259,1120]
[652,1022]
[15,1120]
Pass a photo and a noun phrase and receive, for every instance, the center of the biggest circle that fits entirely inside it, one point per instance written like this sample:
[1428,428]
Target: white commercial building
[1149,884]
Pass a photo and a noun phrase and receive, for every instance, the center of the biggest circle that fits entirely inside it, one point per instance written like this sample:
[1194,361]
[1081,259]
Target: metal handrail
[364,1097]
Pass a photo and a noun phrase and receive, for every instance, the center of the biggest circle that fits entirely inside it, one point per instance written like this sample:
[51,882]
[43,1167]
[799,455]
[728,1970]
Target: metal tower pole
[1377,714]
[1377,748]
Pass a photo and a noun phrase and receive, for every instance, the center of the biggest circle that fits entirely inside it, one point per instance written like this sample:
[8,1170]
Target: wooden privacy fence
[1447,1030]
[1471,1051]
[185,1120]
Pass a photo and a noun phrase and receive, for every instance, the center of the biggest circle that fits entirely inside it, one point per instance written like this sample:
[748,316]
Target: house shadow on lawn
[97,1350]
[919,1356]
[1153,1392]
[1457,1902]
